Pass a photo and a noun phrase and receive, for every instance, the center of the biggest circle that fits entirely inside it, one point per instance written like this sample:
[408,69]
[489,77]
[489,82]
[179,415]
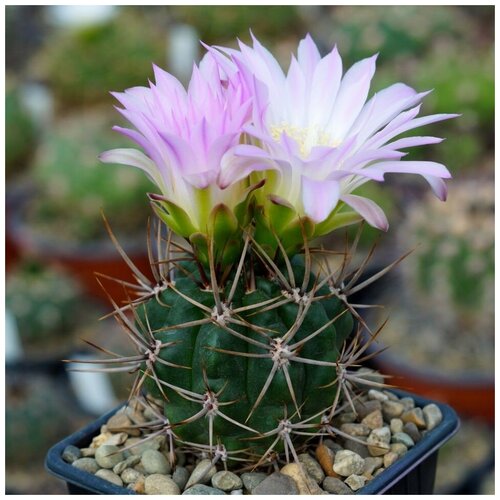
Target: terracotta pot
[470,394]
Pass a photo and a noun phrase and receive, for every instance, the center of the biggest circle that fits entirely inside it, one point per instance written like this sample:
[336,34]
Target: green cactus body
[238,380]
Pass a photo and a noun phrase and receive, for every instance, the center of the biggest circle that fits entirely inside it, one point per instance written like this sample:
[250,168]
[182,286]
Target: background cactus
[98,57]
[50,311]
[20,134]
[448,294]
[71,180]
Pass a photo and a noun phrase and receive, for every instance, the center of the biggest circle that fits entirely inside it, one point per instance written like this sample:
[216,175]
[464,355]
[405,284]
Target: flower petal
[351,97]
[412,167]
[134,158]
[319,197]
[410,142]
[235,168]
[308,56]
[368,209]
[438,186]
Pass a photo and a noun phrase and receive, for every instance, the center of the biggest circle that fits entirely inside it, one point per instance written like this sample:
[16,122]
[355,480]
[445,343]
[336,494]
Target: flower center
[305,137]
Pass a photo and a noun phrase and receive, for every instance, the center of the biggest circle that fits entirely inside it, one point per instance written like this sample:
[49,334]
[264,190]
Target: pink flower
[315,128]
[188,138]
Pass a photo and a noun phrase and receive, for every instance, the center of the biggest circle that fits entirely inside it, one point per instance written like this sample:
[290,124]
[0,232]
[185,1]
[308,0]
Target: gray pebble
[116,439]
[355,482]
[136,416]
[391,395]
[130,475]
[119,422]
[399,448]
[347,463]
[377,395]
[346,418]
[203,489]
[432,416]
[107,456]
[416,416]
[408,403]
[252,479]
[357,430]
[374,420]
[140,468]
[381,435]
[412,430]
[226,481]
[158,484]
[332,445]
[180,476]
[155,462]
[139,446]
[125,464]
[390,458]
[71,453]
[202,473]
[403,438]
[86,464]
[109,476]
[371,464]
[365,408]
[336,486]
[276,484]
[356,447]
[237,492]
[392,409]
[378,441]
[396,425]
[313,468]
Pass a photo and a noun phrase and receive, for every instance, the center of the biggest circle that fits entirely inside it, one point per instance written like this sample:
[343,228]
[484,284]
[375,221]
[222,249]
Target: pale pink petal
[412,167]
[409,142]
[383,108]
[368,209]
[133,158]
[179,152]
[235,168]
[319,197]
[438,186]
[351,97]
[308,56]
[325,82]
[362,158]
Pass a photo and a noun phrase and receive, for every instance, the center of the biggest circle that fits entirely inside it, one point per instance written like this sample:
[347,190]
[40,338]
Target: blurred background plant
[98,58]
[73,186]
[61,63]
[20,133]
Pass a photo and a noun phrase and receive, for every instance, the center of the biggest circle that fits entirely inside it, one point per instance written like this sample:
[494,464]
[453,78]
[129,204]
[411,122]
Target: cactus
[252,361]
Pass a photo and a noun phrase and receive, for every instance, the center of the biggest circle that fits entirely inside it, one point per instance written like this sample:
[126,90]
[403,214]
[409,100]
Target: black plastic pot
[414,473]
